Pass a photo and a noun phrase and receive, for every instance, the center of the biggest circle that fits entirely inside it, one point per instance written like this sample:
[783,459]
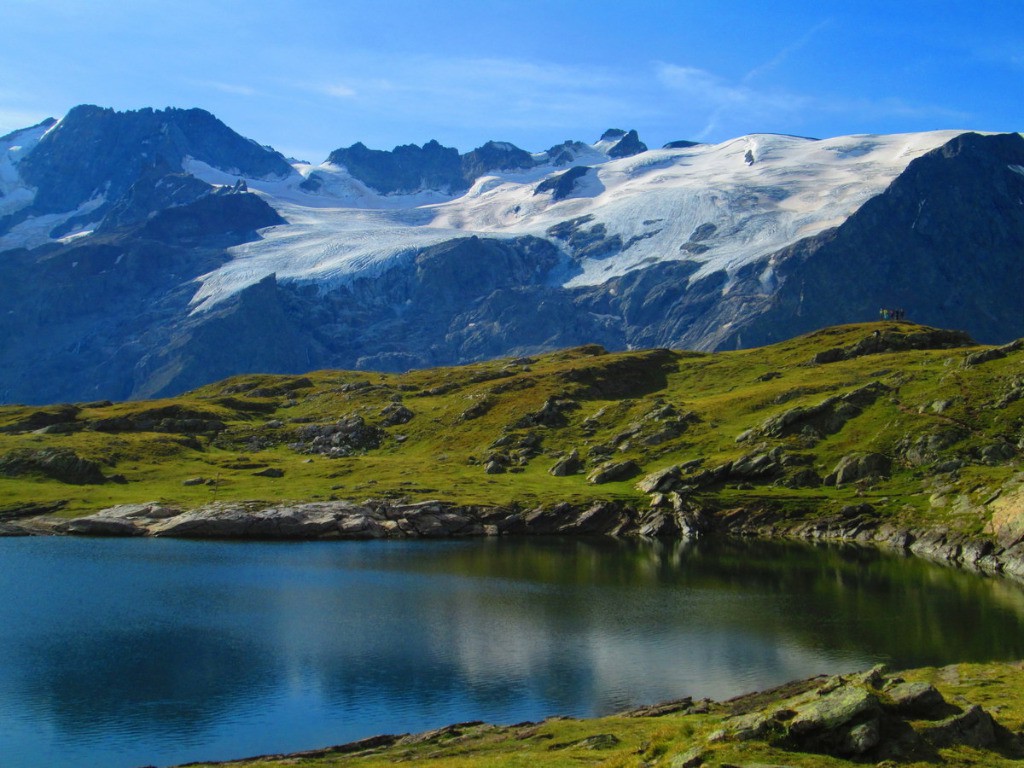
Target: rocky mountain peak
[612,134]
[96,153]
[628,146]
[494,156]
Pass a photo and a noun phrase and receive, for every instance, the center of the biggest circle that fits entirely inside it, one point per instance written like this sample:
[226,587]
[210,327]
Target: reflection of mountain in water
[165,651]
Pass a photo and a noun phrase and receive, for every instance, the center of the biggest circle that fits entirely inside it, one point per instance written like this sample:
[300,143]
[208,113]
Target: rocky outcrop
[628,143]
[562,185]
[866,717]
[405,169]
[61,464]
[817,421]
[409,168]
[613,472]
[569,464]
[860,466]
[996,353]
[676,511]
[552,414]
[171,418]
[347,436]
[348,520]
[896,340]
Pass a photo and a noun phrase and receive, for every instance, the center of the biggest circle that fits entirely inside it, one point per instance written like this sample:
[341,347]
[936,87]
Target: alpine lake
[129,652]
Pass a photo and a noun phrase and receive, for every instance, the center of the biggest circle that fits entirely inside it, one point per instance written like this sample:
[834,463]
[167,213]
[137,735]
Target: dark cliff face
[405,169]
[945,242]
[409,168]
[628,146]
[99,153]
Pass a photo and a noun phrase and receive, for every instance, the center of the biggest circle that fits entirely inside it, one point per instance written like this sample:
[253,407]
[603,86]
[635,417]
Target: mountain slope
[148,250]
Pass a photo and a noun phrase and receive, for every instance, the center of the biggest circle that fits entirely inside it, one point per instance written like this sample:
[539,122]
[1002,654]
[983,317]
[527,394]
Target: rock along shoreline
[390,519]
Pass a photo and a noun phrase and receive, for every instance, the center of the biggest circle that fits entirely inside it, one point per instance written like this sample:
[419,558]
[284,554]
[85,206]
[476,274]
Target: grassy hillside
[944,422]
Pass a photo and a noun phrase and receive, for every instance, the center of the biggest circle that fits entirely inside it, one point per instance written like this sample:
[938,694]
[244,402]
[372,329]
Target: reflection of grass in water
[905,609]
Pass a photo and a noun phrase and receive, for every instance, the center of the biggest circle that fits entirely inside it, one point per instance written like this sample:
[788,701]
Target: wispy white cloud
[336,90]
[719,98]
[743,102]
[740,99]
[786,52]
[493,94]
[234,89]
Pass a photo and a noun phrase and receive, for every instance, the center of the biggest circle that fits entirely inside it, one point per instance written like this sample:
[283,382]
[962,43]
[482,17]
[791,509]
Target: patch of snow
[35,230]
[75,236]
[1017,169]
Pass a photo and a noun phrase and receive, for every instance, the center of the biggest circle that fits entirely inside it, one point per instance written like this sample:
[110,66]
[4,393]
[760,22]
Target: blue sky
[308,76]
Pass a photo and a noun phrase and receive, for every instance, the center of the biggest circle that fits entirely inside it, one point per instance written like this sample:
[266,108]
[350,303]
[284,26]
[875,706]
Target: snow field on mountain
[760,193]
[721,205]
[793,188]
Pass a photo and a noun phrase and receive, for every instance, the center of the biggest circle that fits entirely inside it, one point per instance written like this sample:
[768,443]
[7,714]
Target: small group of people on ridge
[891,314]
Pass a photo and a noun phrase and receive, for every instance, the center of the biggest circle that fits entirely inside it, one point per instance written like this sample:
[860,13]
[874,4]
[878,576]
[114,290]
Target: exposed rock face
[628,146]
[825,418]
[866,717]
[897,341]
[562,185]
[859,467]
[613,472]
[123,145]
[409,168]
[893,253]
[60,464]
[567,465]
[494,156]
[347,436]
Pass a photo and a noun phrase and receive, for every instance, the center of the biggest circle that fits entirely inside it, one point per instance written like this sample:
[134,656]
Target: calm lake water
[133,652]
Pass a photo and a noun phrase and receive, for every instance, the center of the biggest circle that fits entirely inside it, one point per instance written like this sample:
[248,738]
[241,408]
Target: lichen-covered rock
[614,471]
[973,727]
[919,700]
[662,481]
[859,466]
[395,414]
[567,465]
[61,464]
[831,710]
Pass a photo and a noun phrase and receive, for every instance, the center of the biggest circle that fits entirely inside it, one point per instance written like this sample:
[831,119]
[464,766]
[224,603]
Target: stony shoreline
[383,519]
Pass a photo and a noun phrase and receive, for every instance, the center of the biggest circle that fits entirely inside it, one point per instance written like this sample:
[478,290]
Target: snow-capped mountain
[147,252]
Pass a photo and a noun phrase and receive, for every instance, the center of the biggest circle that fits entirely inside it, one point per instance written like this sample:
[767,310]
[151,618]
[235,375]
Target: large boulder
[567,465]
[613,471]
[60,464]
[859,466]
